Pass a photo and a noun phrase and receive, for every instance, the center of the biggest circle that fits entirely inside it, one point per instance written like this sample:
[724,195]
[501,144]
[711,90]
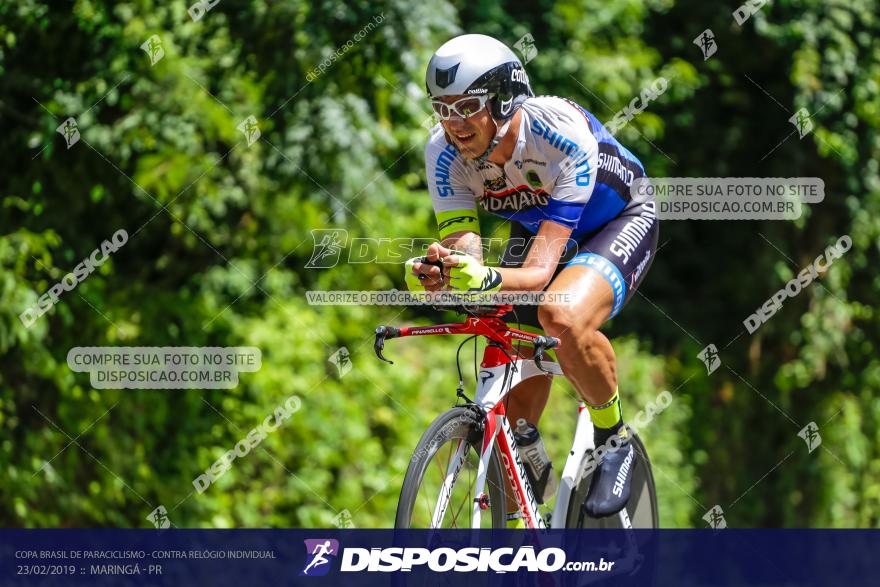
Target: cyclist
[552,169]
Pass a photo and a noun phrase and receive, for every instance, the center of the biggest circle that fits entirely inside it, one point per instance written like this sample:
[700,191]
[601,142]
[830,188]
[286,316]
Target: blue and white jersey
[566,167]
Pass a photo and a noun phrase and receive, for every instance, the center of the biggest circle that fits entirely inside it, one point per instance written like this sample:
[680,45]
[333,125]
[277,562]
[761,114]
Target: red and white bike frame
[500,371]
[498,375]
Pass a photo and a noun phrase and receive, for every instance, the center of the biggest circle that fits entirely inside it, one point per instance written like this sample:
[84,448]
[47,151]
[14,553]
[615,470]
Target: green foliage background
[220,235]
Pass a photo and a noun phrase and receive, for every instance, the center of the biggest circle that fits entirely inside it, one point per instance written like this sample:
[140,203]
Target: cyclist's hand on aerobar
[422,276]
[466,273]
[462,272]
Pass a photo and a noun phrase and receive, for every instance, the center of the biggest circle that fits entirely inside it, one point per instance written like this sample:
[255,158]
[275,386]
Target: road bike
[467,459]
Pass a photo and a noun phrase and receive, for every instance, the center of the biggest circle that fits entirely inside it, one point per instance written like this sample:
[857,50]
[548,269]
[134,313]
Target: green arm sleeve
[457,220]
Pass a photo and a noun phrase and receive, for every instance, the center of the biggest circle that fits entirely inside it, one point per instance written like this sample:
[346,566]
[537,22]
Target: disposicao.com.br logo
[443,559]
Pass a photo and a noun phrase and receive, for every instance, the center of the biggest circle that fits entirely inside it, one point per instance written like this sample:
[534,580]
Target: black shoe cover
[611,483]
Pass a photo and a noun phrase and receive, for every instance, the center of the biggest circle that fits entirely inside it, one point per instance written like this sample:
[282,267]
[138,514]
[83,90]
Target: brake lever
[544,343]
[383,332]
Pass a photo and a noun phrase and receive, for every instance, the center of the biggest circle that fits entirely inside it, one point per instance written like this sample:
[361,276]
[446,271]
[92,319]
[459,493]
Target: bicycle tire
[457,423]
[642,505]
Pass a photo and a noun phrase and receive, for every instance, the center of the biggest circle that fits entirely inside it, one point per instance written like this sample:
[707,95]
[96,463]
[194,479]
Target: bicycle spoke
[457,512]
[441,465]
[444,496]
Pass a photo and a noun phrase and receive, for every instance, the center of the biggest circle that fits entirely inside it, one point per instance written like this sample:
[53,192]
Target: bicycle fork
[497,378]
[498,430]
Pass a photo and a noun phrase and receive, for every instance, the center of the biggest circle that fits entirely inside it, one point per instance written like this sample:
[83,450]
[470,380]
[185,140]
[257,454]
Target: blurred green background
[219,236]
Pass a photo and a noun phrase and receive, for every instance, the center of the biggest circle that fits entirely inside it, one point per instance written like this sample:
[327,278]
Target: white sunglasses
[465,107]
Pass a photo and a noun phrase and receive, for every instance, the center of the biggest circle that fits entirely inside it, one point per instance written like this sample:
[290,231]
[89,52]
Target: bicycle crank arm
[383,332]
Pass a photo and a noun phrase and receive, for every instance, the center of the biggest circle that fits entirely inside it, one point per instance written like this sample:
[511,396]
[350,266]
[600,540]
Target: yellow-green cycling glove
[471,275]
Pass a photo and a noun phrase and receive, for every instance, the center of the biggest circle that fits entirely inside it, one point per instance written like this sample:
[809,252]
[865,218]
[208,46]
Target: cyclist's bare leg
[588,360]
[585,354]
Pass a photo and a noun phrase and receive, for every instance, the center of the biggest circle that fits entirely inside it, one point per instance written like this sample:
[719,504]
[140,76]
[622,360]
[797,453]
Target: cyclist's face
[471,135]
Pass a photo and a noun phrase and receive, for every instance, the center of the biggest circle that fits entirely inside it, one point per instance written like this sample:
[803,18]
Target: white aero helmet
[477,65]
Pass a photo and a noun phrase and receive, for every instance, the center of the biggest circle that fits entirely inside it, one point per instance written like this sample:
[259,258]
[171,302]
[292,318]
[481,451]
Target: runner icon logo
[319,552]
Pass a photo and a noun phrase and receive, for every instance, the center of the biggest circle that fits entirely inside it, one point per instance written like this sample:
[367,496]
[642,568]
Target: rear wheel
[641,507]
[441,478]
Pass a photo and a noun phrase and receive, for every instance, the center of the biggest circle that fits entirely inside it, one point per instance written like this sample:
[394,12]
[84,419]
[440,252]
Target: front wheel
[438,490]
[641,507]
